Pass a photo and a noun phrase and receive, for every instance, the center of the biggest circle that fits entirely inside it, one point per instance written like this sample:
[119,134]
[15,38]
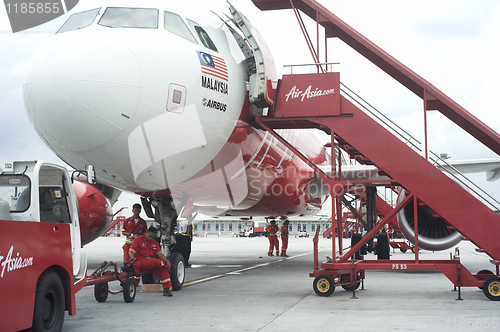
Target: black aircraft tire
[48,314]
[129,290]
[177,271]
[356,237]
[383,249]
[324,285]
[491,288]
[149,278]
[101,292]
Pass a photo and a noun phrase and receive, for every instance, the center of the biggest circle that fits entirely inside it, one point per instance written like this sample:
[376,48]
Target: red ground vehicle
[41,264]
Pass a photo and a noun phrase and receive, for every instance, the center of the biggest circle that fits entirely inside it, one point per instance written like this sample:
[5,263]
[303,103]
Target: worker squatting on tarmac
[284,238]
[273,238]
[146,256]
[133,227]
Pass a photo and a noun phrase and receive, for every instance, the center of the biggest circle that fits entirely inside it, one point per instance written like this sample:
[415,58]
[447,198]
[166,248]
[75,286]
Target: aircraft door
[260,89]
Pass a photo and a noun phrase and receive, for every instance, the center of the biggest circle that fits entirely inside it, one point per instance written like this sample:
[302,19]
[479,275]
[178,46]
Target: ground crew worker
[284,238]
[146,256]
[133,227]
[272,231]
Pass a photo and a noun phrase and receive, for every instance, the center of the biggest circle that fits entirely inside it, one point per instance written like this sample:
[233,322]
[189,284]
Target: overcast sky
[453,44]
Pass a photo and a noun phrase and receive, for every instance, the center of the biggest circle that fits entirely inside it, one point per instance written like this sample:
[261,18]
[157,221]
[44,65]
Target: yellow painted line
[245,269]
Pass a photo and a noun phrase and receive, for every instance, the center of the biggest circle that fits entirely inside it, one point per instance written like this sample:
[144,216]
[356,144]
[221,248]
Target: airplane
[160,99]
[170,120]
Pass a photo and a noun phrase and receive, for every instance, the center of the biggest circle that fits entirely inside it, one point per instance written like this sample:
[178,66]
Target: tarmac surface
[234,286]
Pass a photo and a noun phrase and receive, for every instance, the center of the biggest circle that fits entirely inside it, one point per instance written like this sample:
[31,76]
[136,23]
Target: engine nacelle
[433,232]
[95,211]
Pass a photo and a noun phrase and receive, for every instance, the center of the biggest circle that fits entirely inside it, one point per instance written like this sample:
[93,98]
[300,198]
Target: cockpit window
[79,20]
[119,17]
[175,24]
[205,39]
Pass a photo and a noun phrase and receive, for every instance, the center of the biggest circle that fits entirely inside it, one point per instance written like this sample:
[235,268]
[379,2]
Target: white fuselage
[136,102]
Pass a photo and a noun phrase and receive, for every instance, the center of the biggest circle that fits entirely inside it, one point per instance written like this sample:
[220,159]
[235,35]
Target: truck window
[15,189]
[79,20]
[53,197]
[119,17]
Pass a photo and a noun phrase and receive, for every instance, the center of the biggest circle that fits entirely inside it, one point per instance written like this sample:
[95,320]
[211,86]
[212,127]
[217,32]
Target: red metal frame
[27,250]
[344,121]
[433,98]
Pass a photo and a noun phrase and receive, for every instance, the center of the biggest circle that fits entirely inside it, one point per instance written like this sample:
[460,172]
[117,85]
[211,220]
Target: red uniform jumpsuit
[145,253]
[136,229]
[284,239]
[273,239]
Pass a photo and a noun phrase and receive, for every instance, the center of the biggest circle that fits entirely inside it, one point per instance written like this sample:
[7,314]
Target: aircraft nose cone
[81,90]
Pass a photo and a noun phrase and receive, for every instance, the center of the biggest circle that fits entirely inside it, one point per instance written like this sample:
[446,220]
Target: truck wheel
[177,271]
[101,292]
[129,288]
[491,288]
[48,314]
[324,285]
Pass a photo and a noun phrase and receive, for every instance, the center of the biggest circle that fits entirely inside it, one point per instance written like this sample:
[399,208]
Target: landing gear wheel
[383,249]
[491,288]
[101,292]
[129,290]
[485,272]
[356,237]
[177,271]
[149,278]
[48,314]
[324,285]
[403,250]
[413,249]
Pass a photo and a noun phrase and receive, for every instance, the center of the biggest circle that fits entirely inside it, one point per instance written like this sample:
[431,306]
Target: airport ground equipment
[108,271]
[41,263]
[451,212]
[102,276]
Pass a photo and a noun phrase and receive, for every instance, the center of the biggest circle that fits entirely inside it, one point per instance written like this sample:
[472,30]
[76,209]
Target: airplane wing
[489,166]
[367,172]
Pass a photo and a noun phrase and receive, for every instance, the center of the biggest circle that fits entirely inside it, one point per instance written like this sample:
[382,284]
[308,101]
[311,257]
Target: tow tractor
[42,265]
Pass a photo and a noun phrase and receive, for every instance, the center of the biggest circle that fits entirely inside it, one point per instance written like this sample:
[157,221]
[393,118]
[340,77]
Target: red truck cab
[41,264]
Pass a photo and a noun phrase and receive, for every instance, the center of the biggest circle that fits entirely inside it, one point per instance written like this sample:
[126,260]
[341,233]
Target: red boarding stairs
[314,101]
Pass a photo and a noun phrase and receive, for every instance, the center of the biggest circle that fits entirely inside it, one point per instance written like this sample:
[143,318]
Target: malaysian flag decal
[213,65]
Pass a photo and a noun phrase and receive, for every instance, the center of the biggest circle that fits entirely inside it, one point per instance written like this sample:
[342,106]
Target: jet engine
[434,232]
[95,212]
